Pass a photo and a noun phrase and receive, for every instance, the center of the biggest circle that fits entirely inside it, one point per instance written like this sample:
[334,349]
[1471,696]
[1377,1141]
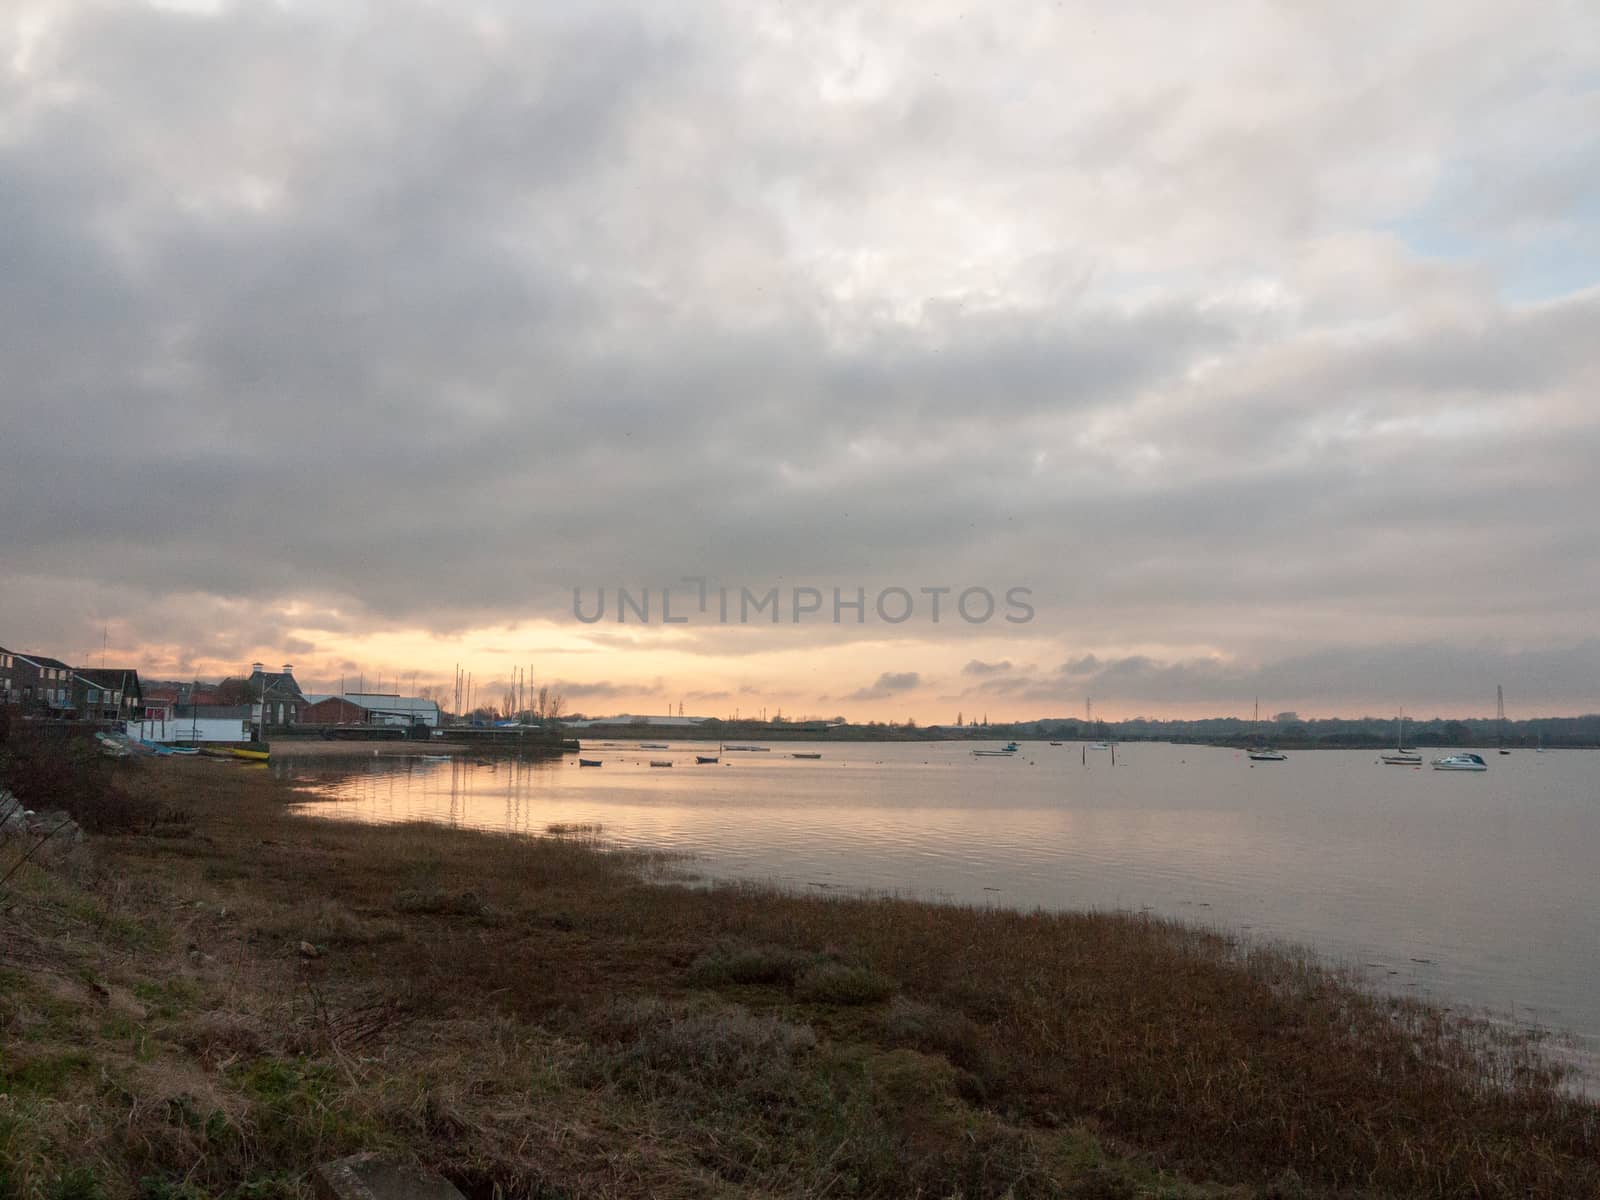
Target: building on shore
[384,708]
[332,710]
[196,724]
[275,697]
[107,693]
[40,682]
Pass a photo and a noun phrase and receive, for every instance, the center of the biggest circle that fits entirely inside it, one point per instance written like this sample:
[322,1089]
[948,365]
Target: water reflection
[1474,888]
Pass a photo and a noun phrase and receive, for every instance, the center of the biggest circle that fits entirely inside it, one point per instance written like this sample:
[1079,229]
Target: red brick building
[335,710]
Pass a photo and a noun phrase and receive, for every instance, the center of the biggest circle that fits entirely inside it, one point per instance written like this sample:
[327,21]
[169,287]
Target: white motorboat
[1006,751]
[1267,756]
[1460,762]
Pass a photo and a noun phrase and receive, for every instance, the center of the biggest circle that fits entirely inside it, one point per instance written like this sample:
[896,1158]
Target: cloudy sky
[1262,347]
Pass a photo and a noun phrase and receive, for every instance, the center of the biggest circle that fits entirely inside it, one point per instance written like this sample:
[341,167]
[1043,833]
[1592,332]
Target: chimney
[287,669]
[256,668]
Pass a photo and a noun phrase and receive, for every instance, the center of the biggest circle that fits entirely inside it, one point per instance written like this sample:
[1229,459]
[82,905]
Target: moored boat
[1262,751]
[705,758]
[112,747]
[805,756]
[660,762]
[588,762]
[251,755]
[1460,762]
[1402,755]
[1500,719]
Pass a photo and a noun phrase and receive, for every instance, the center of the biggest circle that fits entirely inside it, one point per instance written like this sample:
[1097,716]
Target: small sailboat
[1500,718]
[1262,752]
[1402,755]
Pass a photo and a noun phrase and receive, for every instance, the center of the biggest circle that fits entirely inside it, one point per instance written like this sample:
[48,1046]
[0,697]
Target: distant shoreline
[677,734]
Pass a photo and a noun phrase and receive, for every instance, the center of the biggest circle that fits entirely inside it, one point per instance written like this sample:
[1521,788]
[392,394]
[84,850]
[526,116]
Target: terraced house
[107,694]
[40,682]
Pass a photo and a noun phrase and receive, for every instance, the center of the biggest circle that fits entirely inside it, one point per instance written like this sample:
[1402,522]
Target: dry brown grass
[527,1015]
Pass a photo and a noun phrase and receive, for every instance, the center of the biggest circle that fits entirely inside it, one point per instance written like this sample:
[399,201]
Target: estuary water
[1481,891]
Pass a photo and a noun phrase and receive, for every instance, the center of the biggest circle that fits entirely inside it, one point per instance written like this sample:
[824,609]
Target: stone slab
[373,1177]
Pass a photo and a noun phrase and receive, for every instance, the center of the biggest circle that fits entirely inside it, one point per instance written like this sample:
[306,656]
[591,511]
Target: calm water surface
[1472,889]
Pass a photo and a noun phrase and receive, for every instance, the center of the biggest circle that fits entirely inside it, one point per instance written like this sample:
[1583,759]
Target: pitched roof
[379,702]
[108,677]
[42,660]
[274,683]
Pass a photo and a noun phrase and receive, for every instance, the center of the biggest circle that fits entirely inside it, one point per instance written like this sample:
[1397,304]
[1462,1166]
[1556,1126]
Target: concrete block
[372,1177]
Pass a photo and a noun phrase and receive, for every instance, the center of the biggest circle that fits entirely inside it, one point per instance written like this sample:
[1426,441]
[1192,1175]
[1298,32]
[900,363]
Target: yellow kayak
[252,755]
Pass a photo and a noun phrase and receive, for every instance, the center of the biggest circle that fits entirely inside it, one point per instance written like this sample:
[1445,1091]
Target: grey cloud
[603,295]
[888,684]
[1423,673]
[600,690]
[978,667]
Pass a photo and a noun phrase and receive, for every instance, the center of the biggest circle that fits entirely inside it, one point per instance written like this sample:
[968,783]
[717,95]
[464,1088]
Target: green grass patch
[43,1074]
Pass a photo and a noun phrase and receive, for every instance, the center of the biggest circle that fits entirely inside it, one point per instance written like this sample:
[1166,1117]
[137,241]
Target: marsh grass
[528,1016]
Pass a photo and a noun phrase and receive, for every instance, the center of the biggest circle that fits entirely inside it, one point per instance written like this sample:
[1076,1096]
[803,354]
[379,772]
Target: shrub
[740,963]
[840,983]
[69,774]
